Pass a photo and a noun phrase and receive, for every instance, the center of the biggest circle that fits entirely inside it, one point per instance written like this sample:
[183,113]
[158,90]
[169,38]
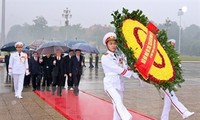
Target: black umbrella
[9,47]
[51,47]
[85,47]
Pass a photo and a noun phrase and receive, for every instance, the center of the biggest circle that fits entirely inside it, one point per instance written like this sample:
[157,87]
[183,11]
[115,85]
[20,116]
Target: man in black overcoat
[58,73]
[76,69]
[67,62]
[35,69]
[47,64]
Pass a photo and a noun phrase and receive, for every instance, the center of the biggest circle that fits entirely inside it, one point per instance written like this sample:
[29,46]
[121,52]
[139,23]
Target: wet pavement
[144,99]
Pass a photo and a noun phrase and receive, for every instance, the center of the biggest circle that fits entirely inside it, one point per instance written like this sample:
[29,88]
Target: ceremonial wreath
[147,50]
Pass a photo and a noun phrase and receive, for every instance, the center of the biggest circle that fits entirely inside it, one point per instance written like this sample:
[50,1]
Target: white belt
[111,74]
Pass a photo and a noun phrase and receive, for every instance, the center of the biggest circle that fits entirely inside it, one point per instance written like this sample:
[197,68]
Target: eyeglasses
[18,47]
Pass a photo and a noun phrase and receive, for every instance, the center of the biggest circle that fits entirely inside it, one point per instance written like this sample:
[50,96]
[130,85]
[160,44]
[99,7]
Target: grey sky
[89,12]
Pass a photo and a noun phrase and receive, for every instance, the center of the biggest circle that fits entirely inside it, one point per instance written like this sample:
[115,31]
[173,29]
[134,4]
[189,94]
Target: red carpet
[84,107]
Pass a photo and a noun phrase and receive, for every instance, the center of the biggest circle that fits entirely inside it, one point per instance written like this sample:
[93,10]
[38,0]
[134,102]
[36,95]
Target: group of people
[51,70]
[54,70]
[115,69]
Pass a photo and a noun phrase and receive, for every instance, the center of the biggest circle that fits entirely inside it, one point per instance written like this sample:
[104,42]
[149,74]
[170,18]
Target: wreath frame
[118,19]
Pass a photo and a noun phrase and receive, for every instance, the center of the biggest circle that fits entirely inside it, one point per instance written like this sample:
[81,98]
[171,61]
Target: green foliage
[40,21]
[118,19]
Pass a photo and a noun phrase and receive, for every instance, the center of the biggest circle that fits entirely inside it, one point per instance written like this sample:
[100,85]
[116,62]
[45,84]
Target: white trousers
[120,111]
[18,83]
[171,99]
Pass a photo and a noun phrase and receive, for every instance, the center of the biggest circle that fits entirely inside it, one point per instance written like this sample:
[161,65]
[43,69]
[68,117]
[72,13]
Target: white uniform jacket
[113,72]
[18,64]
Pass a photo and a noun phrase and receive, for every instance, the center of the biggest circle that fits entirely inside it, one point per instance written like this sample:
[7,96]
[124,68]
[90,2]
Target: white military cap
[19,44]
[109,36]
[172,40]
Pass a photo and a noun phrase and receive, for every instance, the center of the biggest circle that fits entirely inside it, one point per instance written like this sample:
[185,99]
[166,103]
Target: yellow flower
[162,69]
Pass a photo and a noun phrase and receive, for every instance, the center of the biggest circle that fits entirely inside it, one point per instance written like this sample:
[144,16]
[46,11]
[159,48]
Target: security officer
[96,60]
[18,67]
[114,69]
[91,61]
[171,99]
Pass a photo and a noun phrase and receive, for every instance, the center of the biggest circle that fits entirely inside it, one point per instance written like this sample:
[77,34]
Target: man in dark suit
[76,69]
[7,57]
[27,78]
[36,71]
[47,64]
[67,62]
[58,73]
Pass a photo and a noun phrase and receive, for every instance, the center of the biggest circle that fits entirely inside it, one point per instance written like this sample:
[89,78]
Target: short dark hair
[77,50]
[70,50]
[35,52]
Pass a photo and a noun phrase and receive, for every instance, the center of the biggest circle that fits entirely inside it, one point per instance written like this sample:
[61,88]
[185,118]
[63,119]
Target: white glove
[135,75]
[10,72]
[27,72]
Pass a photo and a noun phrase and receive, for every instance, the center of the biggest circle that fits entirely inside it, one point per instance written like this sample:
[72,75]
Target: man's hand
[27,72]
[10,73]
[135,75]
[70,74]
[65,75]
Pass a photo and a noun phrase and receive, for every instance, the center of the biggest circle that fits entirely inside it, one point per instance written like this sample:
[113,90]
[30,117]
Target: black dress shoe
[76,91]
[48,90]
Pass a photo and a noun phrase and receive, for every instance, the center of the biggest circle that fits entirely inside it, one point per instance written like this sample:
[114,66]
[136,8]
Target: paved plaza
[144,99]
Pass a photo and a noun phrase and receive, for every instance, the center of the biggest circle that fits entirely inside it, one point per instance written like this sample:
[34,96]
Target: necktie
[19,54]
[78,58]
[35,58]
[115,55]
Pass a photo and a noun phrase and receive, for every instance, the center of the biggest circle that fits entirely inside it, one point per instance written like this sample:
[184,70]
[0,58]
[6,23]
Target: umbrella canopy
[70,43]
[85,47]
[36,43]
[51,47]
[10,47]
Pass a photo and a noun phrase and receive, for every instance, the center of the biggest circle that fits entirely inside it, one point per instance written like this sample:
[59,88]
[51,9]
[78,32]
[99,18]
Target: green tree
[40,22]
[190,40]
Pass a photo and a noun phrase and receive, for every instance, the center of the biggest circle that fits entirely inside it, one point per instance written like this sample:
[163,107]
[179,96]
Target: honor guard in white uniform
[171,99]
[114,70]
[18,67]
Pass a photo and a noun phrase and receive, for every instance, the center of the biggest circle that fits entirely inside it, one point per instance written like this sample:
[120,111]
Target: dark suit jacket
[76,66]
[67,62]
[7,57]
[47,65]
[35,66]
[58,68]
